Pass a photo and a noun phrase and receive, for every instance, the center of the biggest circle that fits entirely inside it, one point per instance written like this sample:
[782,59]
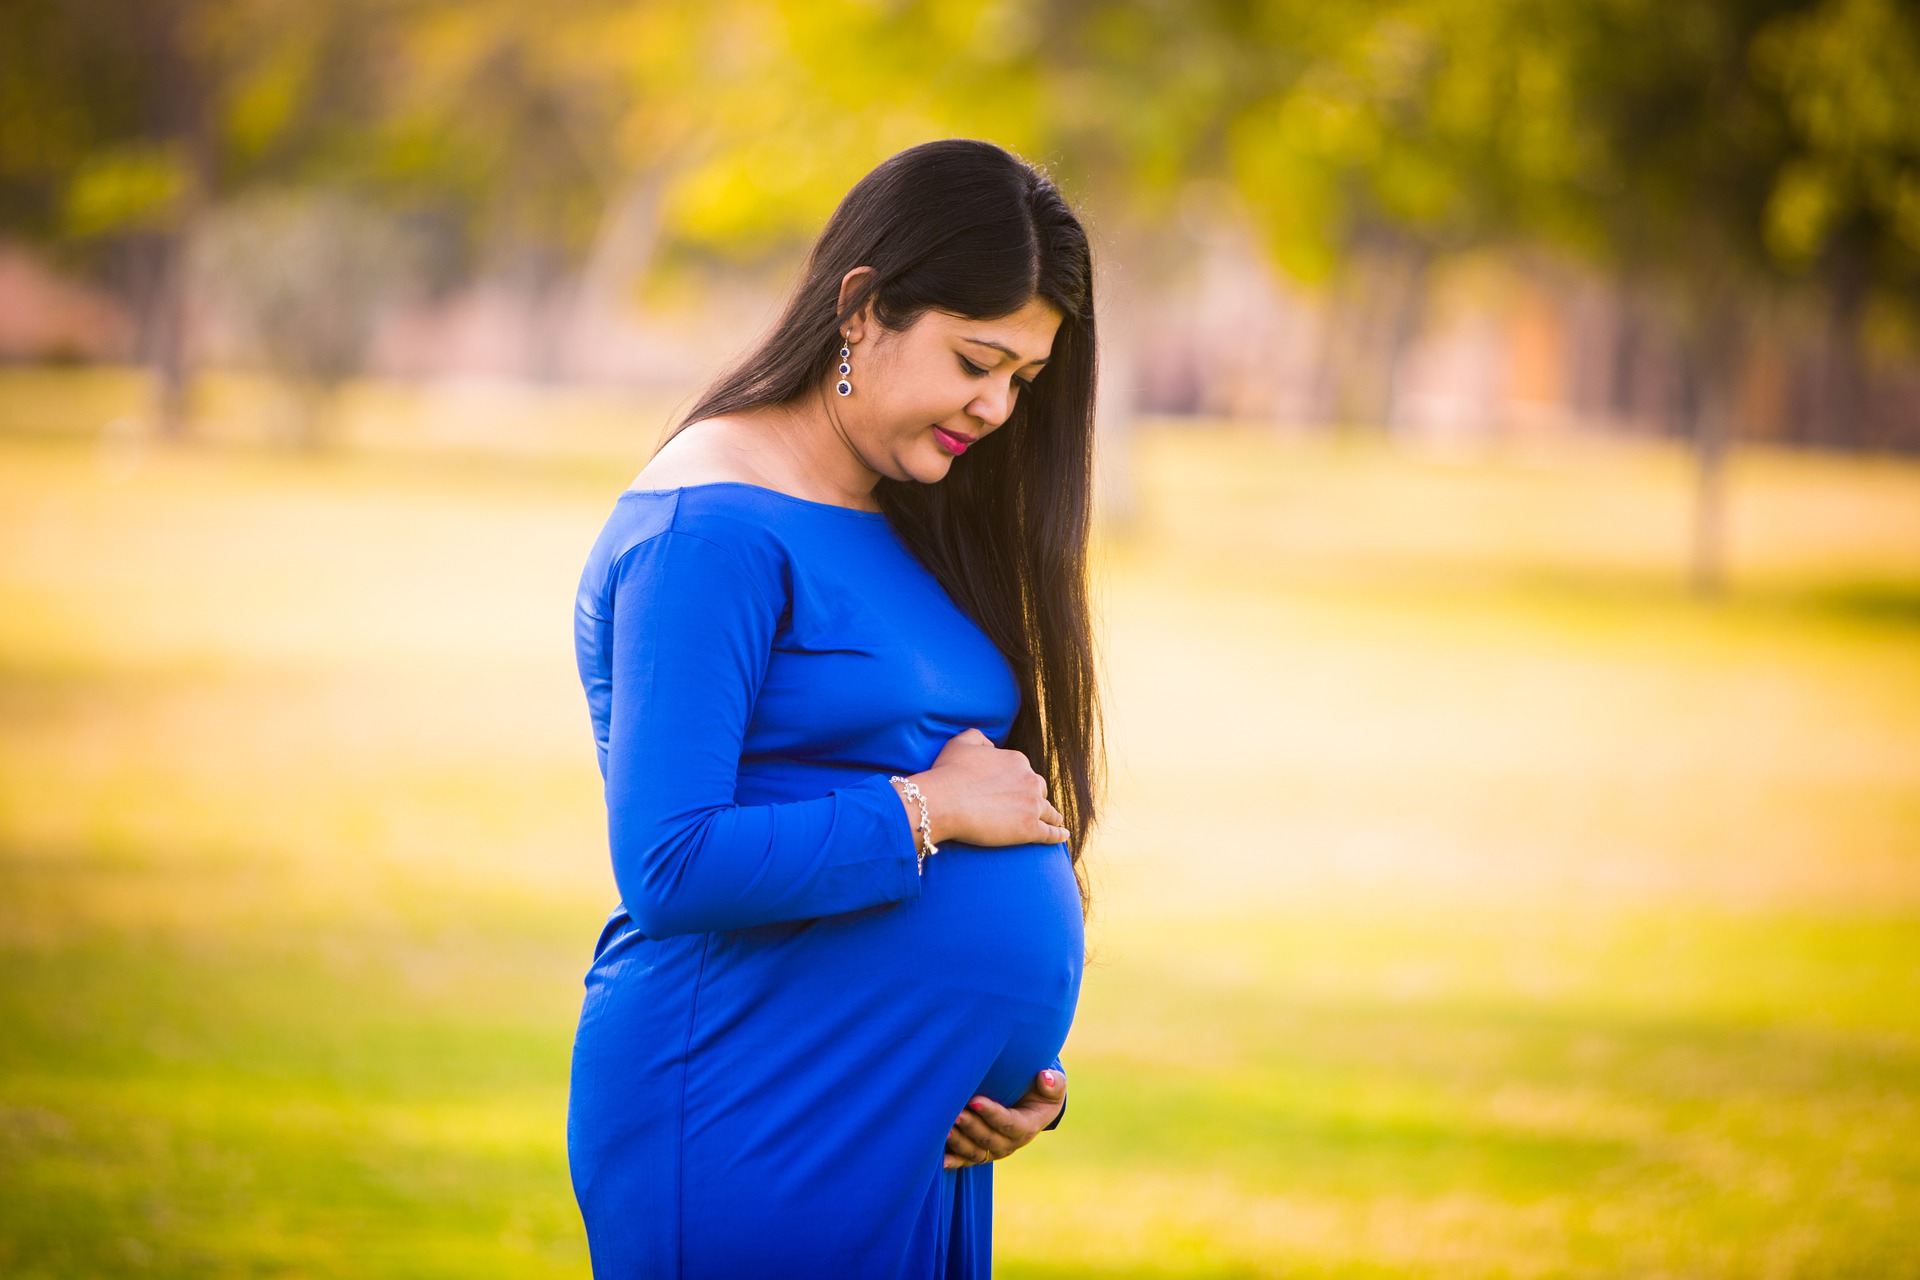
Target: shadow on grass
[367,1100]
[344,1102]
[1891,604]
[1879,602]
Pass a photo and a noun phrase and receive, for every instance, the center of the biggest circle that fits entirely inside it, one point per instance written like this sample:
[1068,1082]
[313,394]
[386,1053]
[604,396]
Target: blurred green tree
[1711,154]
[1844,204]
[125,123]
[1733,145]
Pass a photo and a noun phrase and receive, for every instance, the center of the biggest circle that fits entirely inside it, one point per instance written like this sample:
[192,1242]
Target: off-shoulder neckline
[760,488]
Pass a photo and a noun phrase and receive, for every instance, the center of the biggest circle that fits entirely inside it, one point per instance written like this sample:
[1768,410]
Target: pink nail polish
[978,1106]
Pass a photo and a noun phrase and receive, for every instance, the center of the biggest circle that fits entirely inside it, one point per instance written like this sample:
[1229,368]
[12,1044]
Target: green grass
[1471,901]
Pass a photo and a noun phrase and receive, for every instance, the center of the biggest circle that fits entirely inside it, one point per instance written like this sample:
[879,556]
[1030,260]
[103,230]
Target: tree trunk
[1840,412]
[168,326]
[314,404]
[547,289]
[1710,433]
[178,111]
[1375,316]
[625,242]
[1131,264]
[1718,350]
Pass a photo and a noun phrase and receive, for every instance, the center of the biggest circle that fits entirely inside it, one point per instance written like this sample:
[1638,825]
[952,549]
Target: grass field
[1470,901]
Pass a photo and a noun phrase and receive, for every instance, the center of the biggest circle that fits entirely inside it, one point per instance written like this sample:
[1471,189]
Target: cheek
[920,403]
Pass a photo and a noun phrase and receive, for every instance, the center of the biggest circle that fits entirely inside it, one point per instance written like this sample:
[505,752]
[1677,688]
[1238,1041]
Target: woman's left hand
[986,1130]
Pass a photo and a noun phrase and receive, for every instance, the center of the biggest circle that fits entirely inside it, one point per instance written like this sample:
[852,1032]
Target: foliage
[1713,150]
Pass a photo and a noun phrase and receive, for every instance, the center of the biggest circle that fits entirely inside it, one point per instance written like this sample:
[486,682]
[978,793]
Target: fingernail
[1050,1078]
[977,1105]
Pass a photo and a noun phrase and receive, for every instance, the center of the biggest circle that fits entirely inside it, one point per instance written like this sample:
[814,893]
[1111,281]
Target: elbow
[656,909]
[649,869]
[658,913]
[660,910]
[657,918]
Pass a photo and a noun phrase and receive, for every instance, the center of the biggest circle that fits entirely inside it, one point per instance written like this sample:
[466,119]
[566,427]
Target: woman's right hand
[986,795]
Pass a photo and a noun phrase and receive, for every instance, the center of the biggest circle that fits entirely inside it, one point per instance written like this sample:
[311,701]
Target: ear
[860,321]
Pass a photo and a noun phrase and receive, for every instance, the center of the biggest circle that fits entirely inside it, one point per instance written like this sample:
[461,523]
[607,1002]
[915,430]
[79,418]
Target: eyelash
[978,372]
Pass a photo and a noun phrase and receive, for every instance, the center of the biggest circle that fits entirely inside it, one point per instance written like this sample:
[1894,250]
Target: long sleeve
[692,636]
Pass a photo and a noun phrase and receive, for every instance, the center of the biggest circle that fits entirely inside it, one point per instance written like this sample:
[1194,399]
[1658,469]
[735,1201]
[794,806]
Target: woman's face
[923,395]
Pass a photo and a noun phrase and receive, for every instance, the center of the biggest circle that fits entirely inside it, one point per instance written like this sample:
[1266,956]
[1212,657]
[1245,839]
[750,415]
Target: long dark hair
[966,227]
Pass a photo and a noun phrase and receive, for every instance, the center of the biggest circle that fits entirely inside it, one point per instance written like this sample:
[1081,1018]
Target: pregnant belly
[827,1058]
[971,987]
[998,931]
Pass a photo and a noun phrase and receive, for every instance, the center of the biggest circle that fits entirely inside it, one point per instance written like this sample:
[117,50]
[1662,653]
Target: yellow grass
[1470,902]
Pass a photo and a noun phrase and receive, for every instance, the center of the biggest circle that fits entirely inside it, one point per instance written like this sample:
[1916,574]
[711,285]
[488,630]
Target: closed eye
[976,371]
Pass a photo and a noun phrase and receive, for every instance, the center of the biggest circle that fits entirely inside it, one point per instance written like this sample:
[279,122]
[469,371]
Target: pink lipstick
[955,445]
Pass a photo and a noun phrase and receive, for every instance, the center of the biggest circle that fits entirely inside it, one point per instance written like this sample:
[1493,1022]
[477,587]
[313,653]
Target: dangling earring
[844,387]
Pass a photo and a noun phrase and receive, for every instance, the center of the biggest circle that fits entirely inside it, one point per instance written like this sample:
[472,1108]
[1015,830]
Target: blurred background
[1508,563]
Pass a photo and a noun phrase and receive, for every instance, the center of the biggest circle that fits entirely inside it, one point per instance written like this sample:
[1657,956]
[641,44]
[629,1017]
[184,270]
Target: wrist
[938,827]
[906,803]
[918,808]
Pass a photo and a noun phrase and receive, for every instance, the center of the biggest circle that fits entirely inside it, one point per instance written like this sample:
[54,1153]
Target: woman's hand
[986,1130]
[986,795]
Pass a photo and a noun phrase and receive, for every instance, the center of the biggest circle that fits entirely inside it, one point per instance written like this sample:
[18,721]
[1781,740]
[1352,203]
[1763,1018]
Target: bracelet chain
[927,847]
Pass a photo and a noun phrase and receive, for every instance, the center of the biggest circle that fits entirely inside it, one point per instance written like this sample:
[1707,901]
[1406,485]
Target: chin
[934,471]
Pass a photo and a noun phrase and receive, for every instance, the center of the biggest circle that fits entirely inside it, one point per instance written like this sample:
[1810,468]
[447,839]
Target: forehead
[1028,331]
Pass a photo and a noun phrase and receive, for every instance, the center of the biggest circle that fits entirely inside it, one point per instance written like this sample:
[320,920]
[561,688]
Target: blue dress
[784,1014]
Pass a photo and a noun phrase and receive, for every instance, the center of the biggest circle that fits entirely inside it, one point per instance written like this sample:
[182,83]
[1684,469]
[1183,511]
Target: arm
[692,636]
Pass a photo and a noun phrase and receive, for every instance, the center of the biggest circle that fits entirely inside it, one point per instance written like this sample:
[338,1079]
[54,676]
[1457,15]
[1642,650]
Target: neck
[807,446]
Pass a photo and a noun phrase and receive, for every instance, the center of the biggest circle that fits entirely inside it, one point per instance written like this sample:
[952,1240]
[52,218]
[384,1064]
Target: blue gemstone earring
[844,387]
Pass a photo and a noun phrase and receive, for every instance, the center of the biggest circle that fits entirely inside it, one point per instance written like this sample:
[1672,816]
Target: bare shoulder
[713,449]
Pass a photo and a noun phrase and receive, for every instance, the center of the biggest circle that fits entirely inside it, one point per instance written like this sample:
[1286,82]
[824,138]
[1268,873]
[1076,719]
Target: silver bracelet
[927,847]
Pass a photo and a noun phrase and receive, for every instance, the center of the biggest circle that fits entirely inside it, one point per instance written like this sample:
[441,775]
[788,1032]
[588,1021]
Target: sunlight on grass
[1470,900]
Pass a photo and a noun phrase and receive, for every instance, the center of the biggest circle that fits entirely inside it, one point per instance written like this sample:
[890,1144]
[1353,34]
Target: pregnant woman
[836,644]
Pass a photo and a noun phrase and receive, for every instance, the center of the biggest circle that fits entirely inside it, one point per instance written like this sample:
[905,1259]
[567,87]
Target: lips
[954,443]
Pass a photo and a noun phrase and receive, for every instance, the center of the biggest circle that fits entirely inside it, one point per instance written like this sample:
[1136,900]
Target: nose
[993,404]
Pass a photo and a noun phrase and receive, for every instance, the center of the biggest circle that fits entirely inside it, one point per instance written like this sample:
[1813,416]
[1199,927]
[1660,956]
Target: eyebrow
[1005,350]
